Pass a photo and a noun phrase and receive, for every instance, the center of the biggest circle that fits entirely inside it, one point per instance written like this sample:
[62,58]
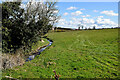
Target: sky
[88,14]
[101,14]
[70,0]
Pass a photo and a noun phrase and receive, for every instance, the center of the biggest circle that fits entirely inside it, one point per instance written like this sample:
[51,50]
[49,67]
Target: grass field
[40,44]
[87,54]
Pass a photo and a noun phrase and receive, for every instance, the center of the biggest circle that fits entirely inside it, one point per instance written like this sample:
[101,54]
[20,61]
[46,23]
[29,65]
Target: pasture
[74,54]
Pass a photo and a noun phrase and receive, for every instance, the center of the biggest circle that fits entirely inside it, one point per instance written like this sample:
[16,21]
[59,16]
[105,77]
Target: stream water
[31,57]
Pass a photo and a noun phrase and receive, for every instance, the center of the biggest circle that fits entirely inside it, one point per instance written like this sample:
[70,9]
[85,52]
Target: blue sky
[88,14]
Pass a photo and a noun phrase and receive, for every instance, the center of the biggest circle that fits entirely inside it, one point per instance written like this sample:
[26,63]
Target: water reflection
[39,51]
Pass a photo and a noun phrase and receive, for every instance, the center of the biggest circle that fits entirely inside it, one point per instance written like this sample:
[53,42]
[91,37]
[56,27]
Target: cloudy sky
[88,14]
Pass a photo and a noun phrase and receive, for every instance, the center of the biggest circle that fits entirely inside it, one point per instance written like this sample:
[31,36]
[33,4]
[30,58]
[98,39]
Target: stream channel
[31,57]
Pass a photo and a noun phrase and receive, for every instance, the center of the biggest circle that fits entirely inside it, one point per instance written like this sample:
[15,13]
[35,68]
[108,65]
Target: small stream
[31,57]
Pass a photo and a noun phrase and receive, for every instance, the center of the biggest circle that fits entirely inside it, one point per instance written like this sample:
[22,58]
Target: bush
[21,27]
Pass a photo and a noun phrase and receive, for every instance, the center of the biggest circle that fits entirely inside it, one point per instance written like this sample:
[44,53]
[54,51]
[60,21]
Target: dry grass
[11,60]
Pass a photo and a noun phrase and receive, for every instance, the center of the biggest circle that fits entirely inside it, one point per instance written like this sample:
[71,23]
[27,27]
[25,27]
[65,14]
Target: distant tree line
[21,27]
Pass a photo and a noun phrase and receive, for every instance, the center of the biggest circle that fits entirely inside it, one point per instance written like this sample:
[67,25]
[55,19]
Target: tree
[23,27]
[11,24]
[89,28]
[82,27]
[79,25]
[39,18]
[85,28]
[94,28]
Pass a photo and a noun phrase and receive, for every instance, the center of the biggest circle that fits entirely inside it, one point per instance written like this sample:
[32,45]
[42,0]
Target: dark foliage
[21,27]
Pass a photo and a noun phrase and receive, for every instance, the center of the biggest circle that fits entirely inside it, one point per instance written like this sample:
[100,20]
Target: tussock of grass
[83,54]
[40,44]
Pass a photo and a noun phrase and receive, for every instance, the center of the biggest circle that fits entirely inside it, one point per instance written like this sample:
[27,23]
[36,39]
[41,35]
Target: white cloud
[86,16]
[65,14]
[70,23]
[62,22]
[76,13]
[106,23]
[98,22]
[88,21]
[95,10]
[109,13]
[76,19]
[100,16]
[82,9]
[56,11]
[56,6]
[83,16]
[101,21]
[71,8]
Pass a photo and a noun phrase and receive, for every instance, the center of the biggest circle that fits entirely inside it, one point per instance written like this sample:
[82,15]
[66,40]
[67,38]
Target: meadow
[74,54]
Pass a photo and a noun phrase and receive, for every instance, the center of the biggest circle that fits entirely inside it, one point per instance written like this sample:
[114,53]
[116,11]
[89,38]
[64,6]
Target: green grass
[40,44]
[87,54]
[36,46]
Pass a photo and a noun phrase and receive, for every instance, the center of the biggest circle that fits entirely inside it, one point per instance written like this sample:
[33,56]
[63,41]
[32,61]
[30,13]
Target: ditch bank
[39,50]
[10,61]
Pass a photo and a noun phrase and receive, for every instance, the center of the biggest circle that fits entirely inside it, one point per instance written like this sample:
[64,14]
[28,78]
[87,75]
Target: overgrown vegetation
[74,54]
[21,27]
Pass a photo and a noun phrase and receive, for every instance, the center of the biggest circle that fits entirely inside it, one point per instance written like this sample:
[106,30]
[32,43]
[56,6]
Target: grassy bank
[87,54]
[39,44]
[13,59]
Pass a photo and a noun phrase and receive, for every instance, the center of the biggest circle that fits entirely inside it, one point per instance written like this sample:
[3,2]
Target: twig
[56,76]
